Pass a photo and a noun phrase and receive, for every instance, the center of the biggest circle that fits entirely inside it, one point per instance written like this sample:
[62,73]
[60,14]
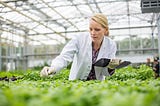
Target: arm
[61,61]
[66,56]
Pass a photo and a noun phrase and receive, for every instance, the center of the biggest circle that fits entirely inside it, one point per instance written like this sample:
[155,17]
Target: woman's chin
[94,39]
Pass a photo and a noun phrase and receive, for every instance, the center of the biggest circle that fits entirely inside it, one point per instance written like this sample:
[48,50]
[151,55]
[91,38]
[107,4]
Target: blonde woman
[84,50]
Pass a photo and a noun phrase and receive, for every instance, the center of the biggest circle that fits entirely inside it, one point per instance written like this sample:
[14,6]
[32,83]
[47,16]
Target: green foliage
[69,66]
[35,76]
[127,87]
[142,73]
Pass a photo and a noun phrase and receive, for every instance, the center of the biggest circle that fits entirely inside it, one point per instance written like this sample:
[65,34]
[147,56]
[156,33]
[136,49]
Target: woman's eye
[97,29]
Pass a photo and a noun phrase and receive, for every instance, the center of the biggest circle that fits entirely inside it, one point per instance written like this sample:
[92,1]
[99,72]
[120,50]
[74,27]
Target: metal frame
[64,19]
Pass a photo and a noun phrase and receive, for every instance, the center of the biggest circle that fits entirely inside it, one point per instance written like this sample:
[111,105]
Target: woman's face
[96,31]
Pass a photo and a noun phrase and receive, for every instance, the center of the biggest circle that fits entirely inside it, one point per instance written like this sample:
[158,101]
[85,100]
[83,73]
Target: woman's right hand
[113,63]
[47,71]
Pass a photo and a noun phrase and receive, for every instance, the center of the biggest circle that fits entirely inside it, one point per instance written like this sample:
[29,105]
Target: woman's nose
[92,32]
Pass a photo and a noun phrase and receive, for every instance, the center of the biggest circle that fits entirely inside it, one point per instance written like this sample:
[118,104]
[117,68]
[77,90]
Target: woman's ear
[107,32]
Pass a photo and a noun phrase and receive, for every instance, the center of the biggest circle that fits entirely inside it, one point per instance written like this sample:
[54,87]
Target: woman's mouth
[94,37]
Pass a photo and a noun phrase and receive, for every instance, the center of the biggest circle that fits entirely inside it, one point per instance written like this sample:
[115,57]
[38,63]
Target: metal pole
[25,52]
[0,48]
[158,27]
[0,54]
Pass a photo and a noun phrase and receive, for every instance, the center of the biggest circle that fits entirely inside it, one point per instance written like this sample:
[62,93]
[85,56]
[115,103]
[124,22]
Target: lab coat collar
[101,51]
[89,48]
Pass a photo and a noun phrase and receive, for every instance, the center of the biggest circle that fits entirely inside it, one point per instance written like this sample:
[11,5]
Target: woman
[84,50]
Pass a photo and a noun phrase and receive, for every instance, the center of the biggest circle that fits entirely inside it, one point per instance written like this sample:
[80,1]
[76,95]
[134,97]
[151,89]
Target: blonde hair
[101,19]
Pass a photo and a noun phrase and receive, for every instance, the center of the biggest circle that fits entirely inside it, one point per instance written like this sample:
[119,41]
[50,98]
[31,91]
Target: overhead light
[150,6]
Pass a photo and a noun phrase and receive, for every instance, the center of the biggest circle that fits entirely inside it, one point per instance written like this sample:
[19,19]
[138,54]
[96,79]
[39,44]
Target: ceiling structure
[46,22]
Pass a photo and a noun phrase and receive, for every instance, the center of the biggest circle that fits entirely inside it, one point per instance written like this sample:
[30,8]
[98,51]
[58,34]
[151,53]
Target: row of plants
[126,87]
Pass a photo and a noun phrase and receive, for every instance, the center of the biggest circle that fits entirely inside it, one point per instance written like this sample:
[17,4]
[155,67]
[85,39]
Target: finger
[44,71]
[51,70]
[42,74]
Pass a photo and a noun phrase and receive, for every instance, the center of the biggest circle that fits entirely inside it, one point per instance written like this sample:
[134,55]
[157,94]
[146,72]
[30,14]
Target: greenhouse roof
[56,21]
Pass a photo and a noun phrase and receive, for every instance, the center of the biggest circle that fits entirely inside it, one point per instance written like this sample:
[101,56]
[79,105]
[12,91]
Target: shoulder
[81,38]
[109,40]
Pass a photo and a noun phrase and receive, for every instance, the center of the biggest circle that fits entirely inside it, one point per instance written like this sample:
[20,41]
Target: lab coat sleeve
[66,56]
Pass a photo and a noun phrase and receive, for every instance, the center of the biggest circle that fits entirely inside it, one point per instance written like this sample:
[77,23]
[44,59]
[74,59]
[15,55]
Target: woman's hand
[47,71]
[113,63]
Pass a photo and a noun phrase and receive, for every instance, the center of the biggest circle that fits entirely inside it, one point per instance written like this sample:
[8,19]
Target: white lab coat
[79,50]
